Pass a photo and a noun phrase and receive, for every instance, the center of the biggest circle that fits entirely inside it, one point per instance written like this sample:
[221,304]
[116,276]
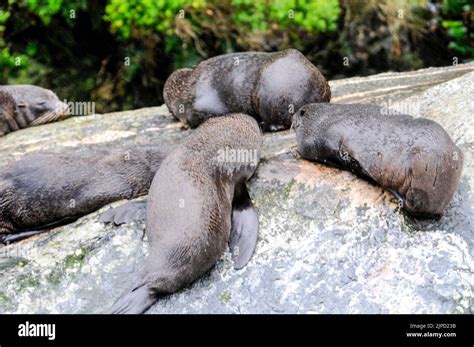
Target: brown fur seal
[197,204]
[7,113]
[412,157]
[47,189]
[270,87]
[31,106]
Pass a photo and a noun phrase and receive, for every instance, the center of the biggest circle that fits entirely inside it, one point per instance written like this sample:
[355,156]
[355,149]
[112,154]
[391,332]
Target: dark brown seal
[7,113]
[43,190]
[197,204]
[270,87]
[31,106]
[414,158]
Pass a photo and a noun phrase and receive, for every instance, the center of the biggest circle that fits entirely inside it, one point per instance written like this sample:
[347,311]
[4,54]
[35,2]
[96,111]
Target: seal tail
[136,301]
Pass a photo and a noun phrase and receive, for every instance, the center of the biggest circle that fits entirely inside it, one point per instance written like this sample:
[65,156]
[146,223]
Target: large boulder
[329,242]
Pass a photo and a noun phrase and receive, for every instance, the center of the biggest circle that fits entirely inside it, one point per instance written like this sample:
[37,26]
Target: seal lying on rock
[31,106]
[7,113]
[48,189]
[414,158]
[270,87]
[197,204]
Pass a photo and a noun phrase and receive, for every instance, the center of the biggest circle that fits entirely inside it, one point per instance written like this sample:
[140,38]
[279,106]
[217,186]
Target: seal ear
[244,229]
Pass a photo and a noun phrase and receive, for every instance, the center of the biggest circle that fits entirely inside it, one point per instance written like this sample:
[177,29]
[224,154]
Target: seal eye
[302,112]
[22,105]
[41,103]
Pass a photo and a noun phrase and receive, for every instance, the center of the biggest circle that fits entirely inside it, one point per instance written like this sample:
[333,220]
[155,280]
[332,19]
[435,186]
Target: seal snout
[49,112]
[62,109]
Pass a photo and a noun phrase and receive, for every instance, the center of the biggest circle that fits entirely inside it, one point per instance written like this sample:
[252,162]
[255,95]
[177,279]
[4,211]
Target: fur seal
[197,204]
[44,190]
[7,112]
[31,106]
[270,87]
[414,158]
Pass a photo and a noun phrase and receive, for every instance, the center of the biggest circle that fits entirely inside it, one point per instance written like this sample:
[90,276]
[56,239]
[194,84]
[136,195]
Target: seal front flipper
[126,213]
[244,229]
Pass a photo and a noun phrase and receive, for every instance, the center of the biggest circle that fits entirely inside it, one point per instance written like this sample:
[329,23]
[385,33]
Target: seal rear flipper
[126,213]
[9,238]
[244,229]
[136,301]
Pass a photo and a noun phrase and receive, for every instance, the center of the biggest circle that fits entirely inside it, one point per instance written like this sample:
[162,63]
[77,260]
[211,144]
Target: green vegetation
[119,53]
[459,29]
[225,296]
[75,259]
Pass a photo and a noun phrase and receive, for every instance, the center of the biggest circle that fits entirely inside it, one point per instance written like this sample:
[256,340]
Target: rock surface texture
[329,242]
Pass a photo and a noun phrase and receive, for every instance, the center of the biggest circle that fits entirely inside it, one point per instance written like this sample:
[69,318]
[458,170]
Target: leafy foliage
[145,15]
[459,25]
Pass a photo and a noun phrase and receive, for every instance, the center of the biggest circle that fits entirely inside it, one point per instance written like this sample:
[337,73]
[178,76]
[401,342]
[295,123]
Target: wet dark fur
[31,106]
[189,209]
[267,86]
[46,188]
[413,157]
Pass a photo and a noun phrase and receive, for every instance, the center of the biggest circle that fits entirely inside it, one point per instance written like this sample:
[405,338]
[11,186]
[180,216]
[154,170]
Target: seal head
[32,106]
